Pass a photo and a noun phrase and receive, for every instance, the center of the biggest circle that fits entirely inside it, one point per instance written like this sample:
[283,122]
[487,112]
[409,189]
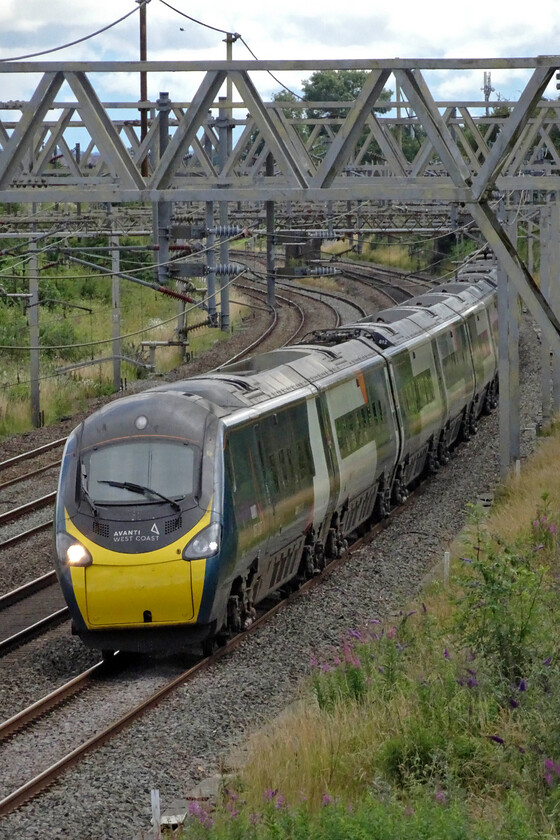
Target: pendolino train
[180,508]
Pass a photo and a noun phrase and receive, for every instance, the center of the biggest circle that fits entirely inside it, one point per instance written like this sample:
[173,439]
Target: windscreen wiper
[139,488]
[85,493]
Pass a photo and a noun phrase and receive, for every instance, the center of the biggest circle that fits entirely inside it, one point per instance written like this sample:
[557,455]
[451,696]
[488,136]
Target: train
[181,508]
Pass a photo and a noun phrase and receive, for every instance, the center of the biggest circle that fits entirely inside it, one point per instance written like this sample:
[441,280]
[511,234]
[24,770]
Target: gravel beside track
[188,737]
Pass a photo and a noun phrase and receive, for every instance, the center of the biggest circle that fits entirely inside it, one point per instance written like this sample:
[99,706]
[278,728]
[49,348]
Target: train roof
[272,375]
[324,353]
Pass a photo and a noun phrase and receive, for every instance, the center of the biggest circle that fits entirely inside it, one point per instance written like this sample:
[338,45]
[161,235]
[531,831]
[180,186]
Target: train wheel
[208,646]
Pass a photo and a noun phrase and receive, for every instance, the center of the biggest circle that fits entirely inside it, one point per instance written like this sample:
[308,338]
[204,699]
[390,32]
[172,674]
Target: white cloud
[286,30]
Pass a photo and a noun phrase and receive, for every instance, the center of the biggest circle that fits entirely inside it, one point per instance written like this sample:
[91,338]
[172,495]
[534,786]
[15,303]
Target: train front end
[138,524]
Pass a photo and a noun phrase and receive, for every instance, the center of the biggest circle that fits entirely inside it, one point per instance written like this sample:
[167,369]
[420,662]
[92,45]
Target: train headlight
[205,544]
[72,552]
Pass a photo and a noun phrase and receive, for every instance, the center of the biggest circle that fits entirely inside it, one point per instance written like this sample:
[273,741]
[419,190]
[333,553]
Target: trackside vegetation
[441,723]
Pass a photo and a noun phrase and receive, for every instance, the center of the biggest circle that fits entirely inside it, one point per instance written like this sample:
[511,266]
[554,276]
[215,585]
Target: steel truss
[285,153]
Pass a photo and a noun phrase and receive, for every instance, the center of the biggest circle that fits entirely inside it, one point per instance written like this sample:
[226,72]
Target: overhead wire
[78,40]
[236,37]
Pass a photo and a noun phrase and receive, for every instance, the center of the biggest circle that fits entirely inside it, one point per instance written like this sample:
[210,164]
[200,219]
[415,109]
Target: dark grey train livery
[180,508]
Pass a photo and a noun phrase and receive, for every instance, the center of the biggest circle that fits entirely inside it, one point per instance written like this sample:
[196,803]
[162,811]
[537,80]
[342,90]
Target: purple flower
[424,608]
[513,703]
[441,796]
[327,800]
[535,523]
[269,794]
[496,738]
[356,634]
[374,621]
[552,766]
[412,612]
[446,653]
[471,682]
[466,560]
[313,662]
[325,667]
[391,632]
[280,802]
[547,661]
[522,685]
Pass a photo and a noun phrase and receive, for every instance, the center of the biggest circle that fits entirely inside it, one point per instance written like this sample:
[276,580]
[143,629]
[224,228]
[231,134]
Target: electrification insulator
[226,230]
[323,234]
[323,270]
[229,269]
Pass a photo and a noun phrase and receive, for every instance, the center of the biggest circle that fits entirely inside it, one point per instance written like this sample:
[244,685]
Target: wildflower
[552,766]
[412,612]
[313,662]
[553,528]
[327,800]
[336,661]
[269,794]
[513,703]
[424,608]
[441,796]
[391,632]
[535,523]
[280,802]
[325,667]
[522,685]
[496,739]
[547,661]
[471,682]
[446,653]
[466,560]
[374,621]
[356,634]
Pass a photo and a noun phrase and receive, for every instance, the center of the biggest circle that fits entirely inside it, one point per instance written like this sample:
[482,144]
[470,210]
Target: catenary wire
[78,40]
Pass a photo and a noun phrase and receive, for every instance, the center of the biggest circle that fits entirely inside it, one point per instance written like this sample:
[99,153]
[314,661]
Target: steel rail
[33,453]
[29,475]
[27,589]
[50,701]
[25,534]
[28,507]
[33,630]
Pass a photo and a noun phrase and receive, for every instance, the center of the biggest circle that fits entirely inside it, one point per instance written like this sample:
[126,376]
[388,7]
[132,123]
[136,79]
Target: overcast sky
[286,30]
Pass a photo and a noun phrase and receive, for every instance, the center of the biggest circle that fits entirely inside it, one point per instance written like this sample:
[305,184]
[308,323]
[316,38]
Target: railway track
[29,611]
[21,724]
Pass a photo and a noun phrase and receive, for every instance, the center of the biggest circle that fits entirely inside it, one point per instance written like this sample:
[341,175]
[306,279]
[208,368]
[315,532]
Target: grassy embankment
[441,724]
[145,314]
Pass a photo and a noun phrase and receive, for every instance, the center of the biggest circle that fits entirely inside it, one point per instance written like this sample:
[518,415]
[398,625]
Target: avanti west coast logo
[136,535]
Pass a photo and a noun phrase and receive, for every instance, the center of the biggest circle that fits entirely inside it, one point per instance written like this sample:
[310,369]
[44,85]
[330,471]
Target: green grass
[145,314]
